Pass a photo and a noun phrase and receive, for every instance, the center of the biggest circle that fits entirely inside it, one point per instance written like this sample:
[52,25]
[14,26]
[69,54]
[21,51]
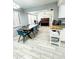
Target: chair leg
[29,36]
[19,38]
[33,33]
[23,39]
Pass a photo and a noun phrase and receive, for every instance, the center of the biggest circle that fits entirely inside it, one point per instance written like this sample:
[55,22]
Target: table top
[29,27]
[32,25]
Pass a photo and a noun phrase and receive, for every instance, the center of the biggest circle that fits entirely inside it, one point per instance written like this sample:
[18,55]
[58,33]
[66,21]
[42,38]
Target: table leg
[29,36]
[33,33]
[23,39]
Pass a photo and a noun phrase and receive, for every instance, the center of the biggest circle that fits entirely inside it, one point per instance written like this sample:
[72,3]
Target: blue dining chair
[23,34]
[34,30]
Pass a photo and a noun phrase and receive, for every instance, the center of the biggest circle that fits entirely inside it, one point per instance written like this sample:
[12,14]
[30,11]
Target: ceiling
[41,11]
[33,3]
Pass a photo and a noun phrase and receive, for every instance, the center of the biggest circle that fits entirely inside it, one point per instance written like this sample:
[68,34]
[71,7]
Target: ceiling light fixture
[51,9]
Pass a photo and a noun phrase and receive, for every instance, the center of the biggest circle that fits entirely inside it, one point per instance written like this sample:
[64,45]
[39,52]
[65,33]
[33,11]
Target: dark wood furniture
[44,22]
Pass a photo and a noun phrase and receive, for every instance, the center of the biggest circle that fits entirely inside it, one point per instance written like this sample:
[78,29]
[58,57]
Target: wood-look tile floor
[38,47]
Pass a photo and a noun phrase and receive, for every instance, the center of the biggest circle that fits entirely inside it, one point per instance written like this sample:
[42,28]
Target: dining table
[32,28]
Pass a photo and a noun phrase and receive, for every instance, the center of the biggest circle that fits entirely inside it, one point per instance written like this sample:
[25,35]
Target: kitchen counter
[56,27]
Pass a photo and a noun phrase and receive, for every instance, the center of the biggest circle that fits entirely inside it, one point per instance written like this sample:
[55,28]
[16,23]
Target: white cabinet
[61,11]
[54,37]
[62,35]
[61,5]
[60,2]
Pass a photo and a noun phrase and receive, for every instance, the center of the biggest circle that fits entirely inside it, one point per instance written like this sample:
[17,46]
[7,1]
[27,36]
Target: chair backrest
[20,32]
[23,33]
[35,28]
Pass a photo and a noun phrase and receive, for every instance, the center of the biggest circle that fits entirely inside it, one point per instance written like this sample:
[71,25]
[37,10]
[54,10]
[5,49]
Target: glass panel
[15,19]
[31,18]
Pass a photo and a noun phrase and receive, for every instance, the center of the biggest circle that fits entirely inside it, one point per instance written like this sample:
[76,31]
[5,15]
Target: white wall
[46,14]
[43,15]
[61,11]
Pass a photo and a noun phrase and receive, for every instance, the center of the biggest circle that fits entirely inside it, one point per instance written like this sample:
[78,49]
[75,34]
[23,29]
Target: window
[31,18]
[16,21]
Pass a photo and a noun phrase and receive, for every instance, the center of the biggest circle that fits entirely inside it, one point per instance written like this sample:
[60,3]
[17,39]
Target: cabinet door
[59,57]
[62,35]
[61,11]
